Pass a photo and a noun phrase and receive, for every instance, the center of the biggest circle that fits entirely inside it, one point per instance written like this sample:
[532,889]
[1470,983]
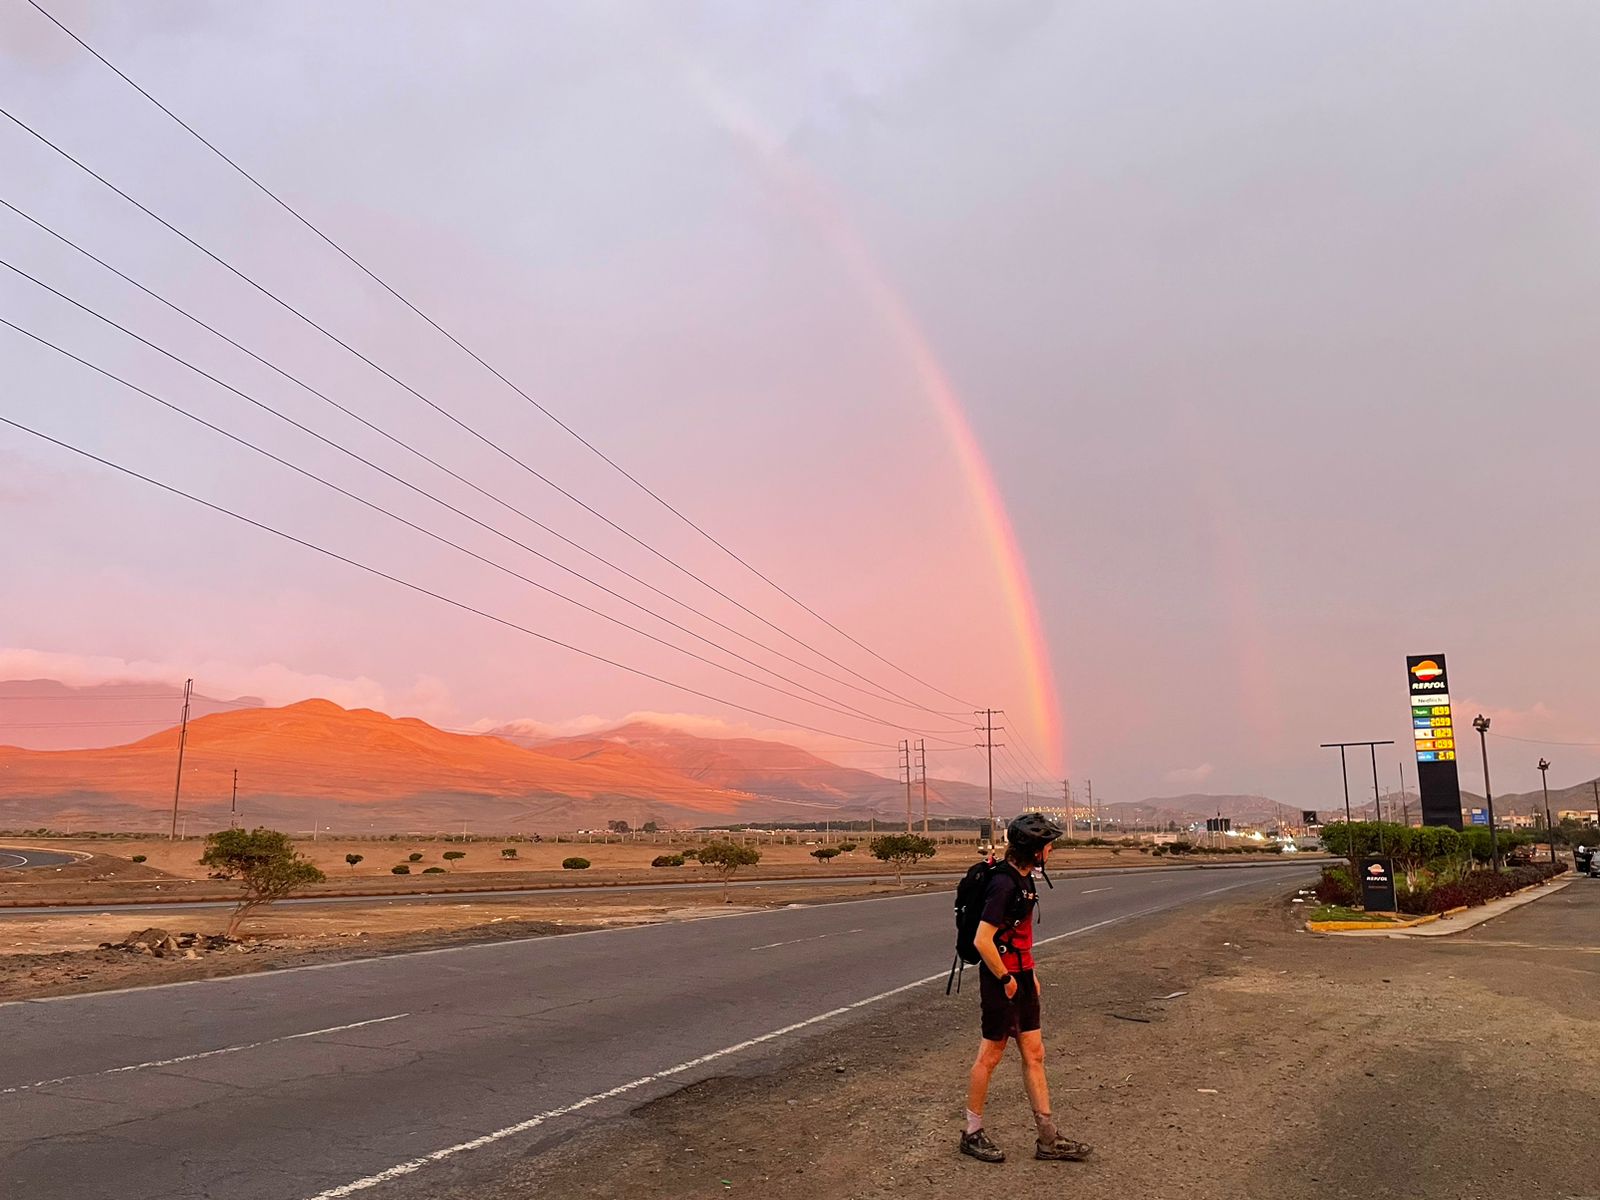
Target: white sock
[974,1121]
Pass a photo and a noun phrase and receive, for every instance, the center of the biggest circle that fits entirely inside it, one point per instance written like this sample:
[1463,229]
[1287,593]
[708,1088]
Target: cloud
[693,723]
[1189,775]
[272,682]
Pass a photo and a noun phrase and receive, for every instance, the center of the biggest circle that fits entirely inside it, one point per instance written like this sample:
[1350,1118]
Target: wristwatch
[1006,978]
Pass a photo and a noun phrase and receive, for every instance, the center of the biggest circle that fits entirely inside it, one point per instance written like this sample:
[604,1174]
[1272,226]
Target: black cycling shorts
[1003,1018]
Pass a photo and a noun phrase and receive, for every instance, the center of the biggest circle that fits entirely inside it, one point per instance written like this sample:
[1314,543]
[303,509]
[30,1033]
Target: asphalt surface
[456,897]
[390,1076]
[20,859]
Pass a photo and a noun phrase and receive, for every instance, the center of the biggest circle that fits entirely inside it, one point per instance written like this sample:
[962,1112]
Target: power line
[370,274]
[419,589]
[439,408]
[431,461]
[1539,741]
[417,453]
[845,710]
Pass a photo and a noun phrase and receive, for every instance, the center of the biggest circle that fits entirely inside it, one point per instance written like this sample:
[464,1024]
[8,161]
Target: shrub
[454,855]
[509,852]
[138,858]
[1181,847]
[574,864]
[691,854]
[402,869]
[847,847]
[1473,888]
[1158,852]
[353,859]
[823,853]
[433,870]
[667,860]
[414,857]
[1336,886]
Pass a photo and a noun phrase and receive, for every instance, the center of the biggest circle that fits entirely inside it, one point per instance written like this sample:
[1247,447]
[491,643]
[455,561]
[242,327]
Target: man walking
[1010,992]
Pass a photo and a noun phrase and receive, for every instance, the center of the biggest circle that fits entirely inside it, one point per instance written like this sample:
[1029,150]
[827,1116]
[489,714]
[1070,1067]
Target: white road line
[1092,891]
[814,938]
[168,1062]
[412,1166]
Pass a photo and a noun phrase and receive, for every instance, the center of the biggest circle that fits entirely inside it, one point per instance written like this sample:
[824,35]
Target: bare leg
[989,1056]
[1031,1044]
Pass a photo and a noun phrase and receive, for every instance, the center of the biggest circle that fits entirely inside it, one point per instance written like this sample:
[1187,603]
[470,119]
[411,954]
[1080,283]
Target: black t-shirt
[1013,916]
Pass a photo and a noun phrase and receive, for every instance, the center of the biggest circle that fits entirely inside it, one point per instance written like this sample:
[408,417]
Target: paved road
[383,1077]
[23,858]
[547,893]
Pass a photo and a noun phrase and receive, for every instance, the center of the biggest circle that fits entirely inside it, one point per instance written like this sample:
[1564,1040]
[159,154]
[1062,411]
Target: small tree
[454,855]
[651,827]
[264,861]
[509,852]
[727,857]
[352,859]
[823,853]
[847,847]
[619,827]
[901,850]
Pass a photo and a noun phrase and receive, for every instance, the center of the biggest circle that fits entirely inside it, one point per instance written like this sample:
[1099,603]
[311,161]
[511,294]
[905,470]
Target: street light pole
[1481,724]
[1549,829]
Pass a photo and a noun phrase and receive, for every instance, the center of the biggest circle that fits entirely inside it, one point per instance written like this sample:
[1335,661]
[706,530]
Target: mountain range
[315,764]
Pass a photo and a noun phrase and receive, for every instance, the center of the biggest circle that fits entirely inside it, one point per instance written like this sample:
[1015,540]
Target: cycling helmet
[1032,830]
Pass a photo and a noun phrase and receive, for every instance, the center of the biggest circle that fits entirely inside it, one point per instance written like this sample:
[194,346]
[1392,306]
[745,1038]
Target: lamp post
[1481,724]
[1544,783]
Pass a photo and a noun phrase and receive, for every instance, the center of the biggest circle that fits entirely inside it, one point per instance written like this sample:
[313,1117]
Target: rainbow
[808,192]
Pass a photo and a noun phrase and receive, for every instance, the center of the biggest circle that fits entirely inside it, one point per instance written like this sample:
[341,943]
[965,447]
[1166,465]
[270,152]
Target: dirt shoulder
[172,872]
[59,954]
[1295,1066]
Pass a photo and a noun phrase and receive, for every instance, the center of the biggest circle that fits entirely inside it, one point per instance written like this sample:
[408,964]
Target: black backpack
[971,893]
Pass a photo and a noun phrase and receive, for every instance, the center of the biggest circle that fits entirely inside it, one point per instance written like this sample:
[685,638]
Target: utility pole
[922,770]
[1405,808]
[905,770]
[1066,803]
[1092,814]
[989,729]
[183,737]
[233,808]
[1595,784]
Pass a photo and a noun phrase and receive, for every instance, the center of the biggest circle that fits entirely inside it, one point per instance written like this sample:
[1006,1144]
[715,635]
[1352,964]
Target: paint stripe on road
[185,1058]
[1092,891]
[412,1166]
[814,938]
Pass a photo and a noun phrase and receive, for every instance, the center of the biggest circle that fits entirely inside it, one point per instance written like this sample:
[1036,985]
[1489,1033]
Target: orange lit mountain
[317,762]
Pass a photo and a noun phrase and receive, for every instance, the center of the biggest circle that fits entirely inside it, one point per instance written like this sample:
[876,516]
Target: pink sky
[1162,382]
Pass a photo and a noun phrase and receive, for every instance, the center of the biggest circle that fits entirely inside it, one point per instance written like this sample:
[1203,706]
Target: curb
[1349,926]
